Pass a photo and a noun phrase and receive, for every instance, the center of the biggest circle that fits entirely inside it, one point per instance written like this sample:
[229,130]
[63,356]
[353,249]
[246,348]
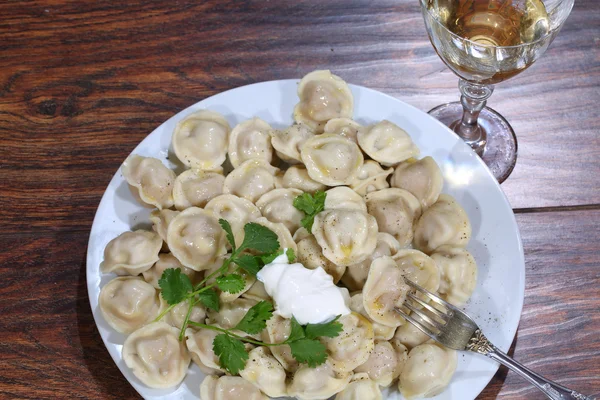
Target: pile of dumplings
[384,218]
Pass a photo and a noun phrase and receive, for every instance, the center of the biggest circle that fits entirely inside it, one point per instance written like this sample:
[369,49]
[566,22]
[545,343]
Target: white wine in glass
[485,42]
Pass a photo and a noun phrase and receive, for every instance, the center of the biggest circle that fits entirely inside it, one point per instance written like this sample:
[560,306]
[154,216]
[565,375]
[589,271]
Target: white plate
[496,244]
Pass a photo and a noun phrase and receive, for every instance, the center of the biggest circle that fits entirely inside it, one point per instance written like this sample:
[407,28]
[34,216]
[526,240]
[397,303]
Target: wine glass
[485,42]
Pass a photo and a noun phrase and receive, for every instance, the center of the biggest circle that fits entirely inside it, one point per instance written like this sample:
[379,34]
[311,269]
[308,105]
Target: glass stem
[473,99]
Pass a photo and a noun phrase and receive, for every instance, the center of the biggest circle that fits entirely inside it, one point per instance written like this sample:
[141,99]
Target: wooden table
[82,84]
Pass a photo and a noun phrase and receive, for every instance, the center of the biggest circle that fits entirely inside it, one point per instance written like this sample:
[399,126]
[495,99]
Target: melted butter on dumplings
[250,139]
[331,159]
[152,179]
[194,188]
[387,143]
[128,303]
[196,238]
[346,236]
[251,179]
[200,140]
[323,96]
[444,223]
[131,253]
[156,355]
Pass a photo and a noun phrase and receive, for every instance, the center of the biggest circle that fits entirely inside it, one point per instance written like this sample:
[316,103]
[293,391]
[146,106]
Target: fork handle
[551,389]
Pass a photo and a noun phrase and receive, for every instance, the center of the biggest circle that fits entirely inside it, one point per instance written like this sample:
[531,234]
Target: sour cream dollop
[307,294]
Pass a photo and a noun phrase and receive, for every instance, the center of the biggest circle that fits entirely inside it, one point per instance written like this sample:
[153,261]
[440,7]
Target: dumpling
[251,179]
[250,139]
[445,222]
[427,371]
[300,234]
[265,372]
[323,96]
[287,143]
[381,332]
[361,387]
[310,255]
[200,345]
[166,261]
[176,316]
[331,159]
[386,143]
[419,268]
[200,140]
[156,356]
[458,274]
[317,383]
[230,314]
[236,210]
[196,238]
[422,178]
[278,330]
[342,197]
[408,335]
[278,206]
[160,224]
[346,236]
[370,177]
[344,127]
[352,346]
[128,303]
[396,211]
[151,178]
[194,188]
[384,364]
[384,291]
[131,253]
[355,276]
[296,177]
[257,292]
[283,234]
[229,388]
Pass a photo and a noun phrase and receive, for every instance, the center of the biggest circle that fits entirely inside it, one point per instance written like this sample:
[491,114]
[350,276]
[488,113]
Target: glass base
[500,151]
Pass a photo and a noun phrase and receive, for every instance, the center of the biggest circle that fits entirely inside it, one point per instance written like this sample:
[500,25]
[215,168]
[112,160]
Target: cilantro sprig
[259,247]
[311,205]
[177,287]
[304,345]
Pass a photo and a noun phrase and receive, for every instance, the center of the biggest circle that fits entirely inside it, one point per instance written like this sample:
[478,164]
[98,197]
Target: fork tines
[432,319]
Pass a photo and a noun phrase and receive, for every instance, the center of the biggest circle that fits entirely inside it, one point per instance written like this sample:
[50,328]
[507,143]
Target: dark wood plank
[51,348]
[83,82]
[50,345]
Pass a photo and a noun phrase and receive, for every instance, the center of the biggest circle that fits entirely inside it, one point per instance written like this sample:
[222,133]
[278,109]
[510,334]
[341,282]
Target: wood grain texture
[51,348]
[83,82]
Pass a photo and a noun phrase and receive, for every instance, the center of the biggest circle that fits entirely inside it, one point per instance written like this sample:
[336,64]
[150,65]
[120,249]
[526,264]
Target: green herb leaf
[250,264]
[296,333]
[329,329]
[228,232]
[232,283]
[231,352]
[210,299]
[256,318]
[268,258]
[311,205]
[174,285]
[291,255]
[259,238]
[309,351]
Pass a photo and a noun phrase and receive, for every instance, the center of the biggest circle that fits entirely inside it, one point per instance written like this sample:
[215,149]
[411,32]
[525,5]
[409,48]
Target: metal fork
[454,329]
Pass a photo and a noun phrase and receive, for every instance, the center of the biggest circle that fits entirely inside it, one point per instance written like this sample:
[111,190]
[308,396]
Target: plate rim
[522,271]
